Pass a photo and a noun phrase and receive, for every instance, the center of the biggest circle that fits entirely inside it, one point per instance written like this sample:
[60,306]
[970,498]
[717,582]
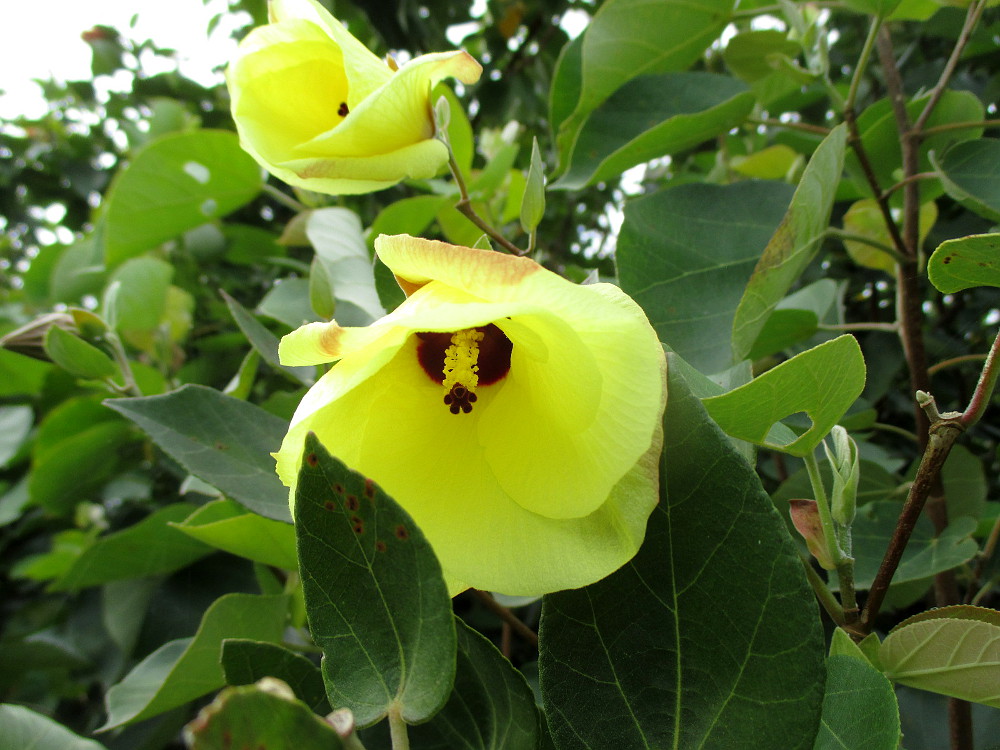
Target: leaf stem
[984,388]
[947,126]
[397,730]
[508,617]
[840,234]
[863,58]
[285,200]
[121,359]
[464,207]
[823,594]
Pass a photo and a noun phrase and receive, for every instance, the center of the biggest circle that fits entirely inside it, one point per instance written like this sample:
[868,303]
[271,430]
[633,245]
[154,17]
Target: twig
[945,127]
[945,363]
[984,388]
[526,633]
[906,180]
[464,207]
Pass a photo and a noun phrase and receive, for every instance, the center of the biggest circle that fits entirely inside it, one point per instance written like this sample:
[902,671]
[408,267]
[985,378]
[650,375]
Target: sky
[41,38]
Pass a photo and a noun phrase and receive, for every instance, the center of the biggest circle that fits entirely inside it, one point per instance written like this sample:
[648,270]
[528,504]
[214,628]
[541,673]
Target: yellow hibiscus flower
[318,110]
[514,414]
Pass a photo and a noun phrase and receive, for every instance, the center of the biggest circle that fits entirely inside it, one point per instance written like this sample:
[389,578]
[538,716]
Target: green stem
[121,359]
[859,69]
[397,730]
[823,593]
[945,127]
[285,200]
[851,236]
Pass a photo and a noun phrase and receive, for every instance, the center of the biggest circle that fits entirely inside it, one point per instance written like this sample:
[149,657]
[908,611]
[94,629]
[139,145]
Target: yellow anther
[460,370]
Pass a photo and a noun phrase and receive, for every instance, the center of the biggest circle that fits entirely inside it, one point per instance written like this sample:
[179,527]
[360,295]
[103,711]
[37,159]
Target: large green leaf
[147,548]
[24,729]
[375,597]
[624,40]
[491,708]
[15,424]
[859,706]
[220,439]
[968,171]
[244,662]
[954,651]
[227,526]
[925,555]
[182,670]
[966,262]
[174,184]
[823,382]
[794,243]
[686,253]
[76,356]
[709,637]
[265,342]
[652,116]
[265,716]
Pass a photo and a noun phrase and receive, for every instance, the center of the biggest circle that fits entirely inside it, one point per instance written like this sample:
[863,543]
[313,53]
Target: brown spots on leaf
[227,738]
[329,505]
[947,259]
[312,460]
[351,503]
[220,446]
[369,489]
[380,546]
[338,488]
[357,525]
[402,533]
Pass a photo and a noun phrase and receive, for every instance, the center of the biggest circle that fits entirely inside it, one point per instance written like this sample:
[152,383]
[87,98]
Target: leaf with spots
[675,649]
[244,662]
[966,262]
[176,183]
[218,438]
[375,598]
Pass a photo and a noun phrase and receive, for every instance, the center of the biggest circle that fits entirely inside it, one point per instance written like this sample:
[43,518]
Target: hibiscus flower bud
[514,414]
[318,110]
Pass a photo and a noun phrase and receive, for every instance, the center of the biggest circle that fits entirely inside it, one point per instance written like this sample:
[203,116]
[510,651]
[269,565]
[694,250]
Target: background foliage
[149,268]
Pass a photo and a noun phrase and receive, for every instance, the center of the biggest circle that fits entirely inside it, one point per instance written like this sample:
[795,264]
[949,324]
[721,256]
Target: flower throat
[464,360]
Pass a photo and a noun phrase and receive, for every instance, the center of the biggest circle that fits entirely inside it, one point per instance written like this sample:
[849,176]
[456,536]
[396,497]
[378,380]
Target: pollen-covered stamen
[460,370]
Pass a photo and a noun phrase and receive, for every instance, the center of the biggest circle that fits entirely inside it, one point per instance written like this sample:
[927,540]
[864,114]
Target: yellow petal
[365,71]
[286,85]
[399,113]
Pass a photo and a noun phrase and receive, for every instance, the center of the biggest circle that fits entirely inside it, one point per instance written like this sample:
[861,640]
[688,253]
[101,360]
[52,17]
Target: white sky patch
[40,39]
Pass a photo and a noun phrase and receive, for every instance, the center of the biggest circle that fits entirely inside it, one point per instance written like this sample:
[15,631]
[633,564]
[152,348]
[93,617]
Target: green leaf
[180,671]
[23,728]
[335,234]
[225,525]
[288,303]
[244,662]
[652,116]
[15,424]
[794,243]
[76,356]
[864,218]
[75,451]
[265,715]
[20,375]
[220,439]
[968,172]
[925,555]
[174,184]
[685,255]
[533,199]
[955,653]
[750,54]
[964,482]
[671,650]
[823,382]
[880,8]
[859,706]
[796,318]
[375,598]
[965,262]
[491,708]
[624,40]
[265,342]
[135,298]
[147,548]
[777,162]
